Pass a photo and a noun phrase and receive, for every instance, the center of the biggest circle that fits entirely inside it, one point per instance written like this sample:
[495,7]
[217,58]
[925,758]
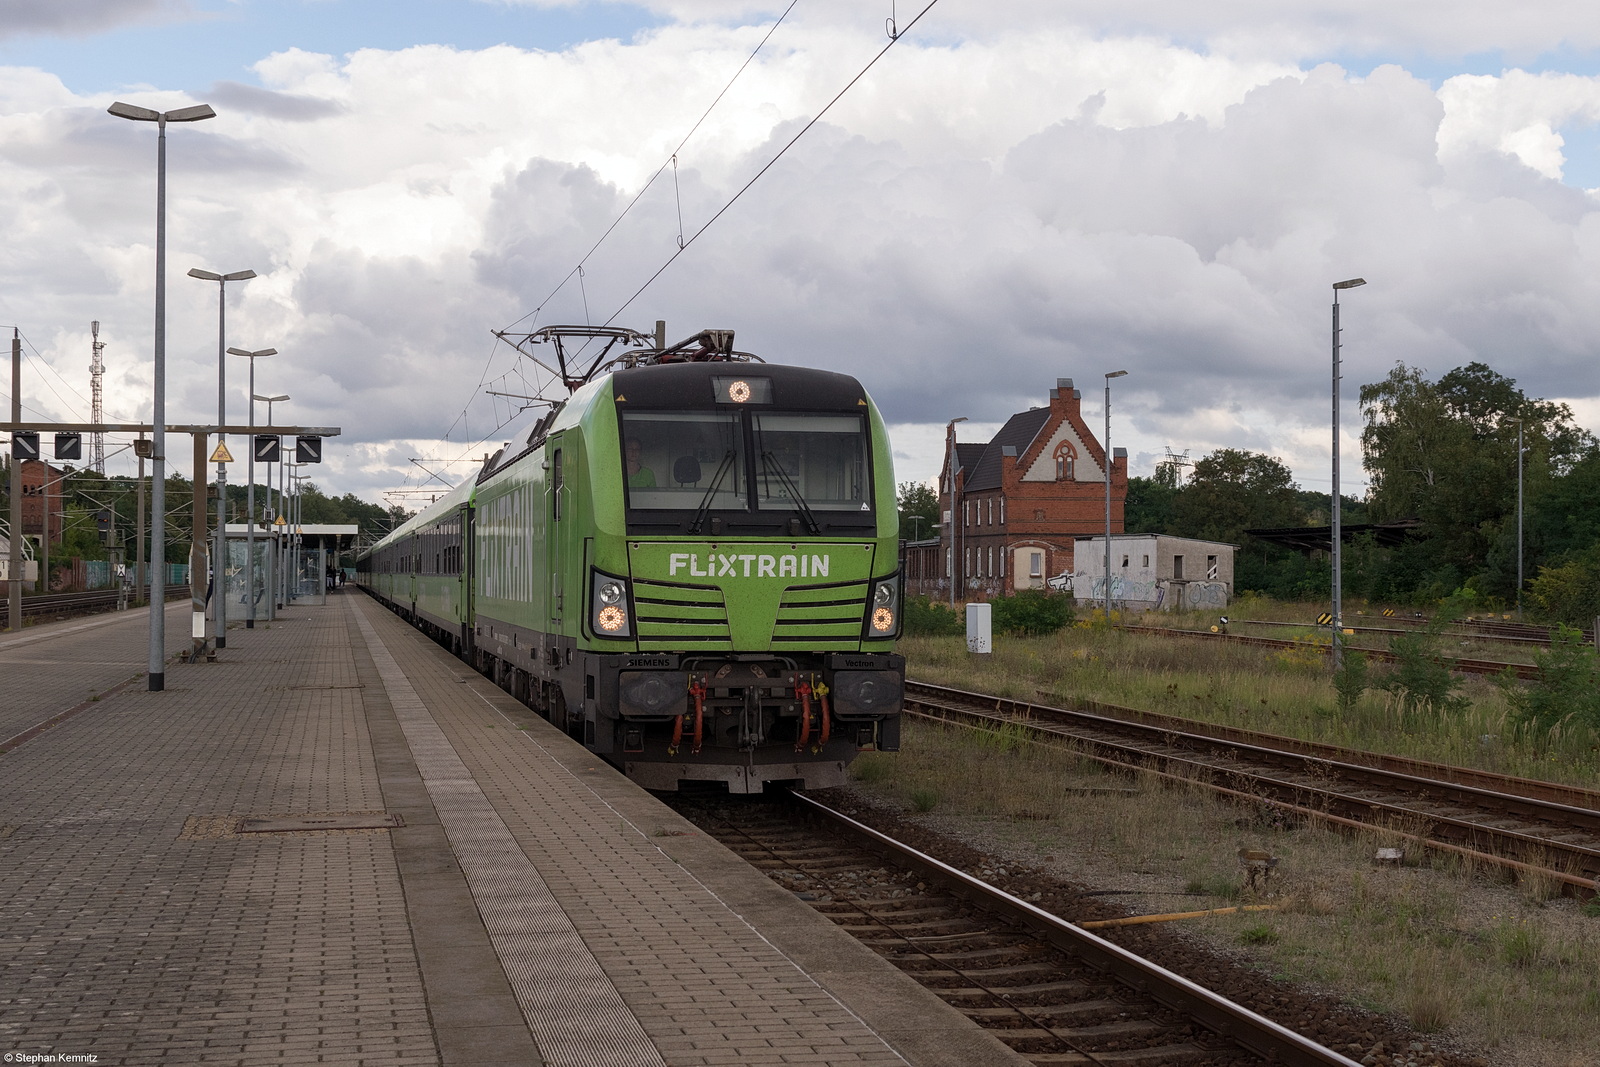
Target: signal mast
[97,368]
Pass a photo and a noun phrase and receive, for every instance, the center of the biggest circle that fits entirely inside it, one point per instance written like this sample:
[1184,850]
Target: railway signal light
[24,445]
[308,450]
[69,446]
[104,526]
[268,448]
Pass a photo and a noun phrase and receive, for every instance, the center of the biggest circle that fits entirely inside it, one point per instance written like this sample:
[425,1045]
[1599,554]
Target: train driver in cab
[639,476]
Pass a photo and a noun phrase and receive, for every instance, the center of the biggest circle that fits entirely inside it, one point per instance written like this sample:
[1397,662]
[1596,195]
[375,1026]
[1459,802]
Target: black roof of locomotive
[688,385]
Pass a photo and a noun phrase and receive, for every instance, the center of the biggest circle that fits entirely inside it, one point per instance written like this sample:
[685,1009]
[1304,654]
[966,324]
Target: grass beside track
[1285,691]
[1506,968]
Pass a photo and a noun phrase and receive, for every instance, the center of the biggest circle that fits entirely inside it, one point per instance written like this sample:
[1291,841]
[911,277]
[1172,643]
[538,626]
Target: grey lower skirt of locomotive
[744,720]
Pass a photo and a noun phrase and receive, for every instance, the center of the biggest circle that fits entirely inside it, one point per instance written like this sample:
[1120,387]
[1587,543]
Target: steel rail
[1525,671]
[1275,1043]
[1309,797]
[1532,788]
[48,603]
[1530,636]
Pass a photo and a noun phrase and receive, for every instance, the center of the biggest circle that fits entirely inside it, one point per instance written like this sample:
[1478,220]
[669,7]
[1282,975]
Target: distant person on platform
[639,476]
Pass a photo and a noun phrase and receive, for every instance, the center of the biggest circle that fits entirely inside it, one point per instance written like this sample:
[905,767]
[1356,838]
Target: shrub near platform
[1031,613]
[924,618]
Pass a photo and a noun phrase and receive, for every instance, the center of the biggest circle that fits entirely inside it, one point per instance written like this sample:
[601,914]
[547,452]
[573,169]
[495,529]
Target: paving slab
[522,911]
[717,963]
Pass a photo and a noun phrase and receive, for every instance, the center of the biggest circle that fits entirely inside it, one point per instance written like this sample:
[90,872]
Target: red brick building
[1011,509]
[41,496]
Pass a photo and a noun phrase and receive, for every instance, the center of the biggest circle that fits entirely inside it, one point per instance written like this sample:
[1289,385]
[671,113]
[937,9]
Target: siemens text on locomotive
[690,564]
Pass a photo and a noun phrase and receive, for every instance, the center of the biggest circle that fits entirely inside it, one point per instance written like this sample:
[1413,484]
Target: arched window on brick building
[1066,461]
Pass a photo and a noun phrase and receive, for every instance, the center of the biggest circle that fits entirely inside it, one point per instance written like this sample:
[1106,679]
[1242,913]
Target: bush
[1568,685]
[1032,612]
[1570,593]
[924,618]
[1421,682]
[1351,680]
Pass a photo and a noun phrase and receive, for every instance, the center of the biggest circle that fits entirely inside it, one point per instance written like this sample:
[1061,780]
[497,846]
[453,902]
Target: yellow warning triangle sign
[279,521]
[220,454]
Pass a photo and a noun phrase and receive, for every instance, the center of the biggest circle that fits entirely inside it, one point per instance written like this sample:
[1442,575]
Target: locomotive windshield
[754,470]
[818,461]
[673,460]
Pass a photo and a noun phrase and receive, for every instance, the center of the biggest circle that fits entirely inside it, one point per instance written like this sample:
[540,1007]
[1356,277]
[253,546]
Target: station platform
[338,844]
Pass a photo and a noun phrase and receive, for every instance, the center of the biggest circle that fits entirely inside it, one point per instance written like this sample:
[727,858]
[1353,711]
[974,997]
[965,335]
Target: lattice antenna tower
[1177,461]
[97,369]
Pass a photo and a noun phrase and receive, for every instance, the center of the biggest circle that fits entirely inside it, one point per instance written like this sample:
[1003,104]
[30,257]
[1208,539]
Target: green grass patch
[1412,709]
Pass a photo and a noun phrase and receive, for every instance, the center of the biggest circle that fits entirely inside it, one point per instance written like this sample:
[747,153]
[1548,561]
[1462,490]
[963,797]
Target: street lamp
[1109,375]
[1338,537]
[158,491]
[956,559]
[250,490]
[1520,452]
[219,565]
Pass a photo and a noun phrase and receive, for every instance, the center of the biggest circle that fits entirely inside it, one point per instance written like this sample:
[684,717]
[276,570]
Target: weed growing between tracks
[1287,692]
[1497,966]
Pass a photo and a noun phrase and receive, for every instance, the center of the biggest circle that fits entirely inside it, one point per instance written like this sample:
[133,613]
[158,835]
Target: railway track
[1464,666]
[1537,829]
[1508,632]
[82,603]
[1054,992]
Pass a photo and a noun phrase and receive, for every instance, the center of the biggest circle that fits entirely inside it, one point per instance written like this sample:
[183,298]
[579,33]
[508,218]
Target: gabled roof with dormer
[1017,434]
[967,457]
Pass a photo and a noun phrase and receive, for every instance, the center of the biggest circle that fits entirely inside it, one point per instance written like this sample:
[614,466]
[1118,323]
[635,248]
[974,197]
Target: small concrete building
[1152,572]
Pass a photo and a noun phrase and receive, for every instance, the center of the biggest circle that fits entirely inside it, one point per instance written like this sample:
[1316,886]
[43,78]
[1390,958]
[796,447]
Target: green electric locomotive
[690,564]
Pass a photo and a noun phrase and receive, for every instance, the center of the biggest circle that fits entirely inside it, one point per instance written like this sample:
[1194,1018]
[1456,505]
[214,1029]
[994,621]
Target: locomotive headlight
[883,610]
[608,606]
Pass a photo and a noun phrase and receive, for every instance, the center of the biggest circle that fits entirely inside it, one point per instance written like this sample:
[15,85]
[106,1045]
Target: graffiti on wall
[1204,596]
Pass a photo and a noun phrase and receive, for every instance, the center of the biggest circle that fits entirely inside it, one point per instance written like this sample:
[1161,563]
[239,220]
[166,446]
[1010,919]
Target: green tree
[919,511]
[1149,506]
[1232,491]
[1445,452]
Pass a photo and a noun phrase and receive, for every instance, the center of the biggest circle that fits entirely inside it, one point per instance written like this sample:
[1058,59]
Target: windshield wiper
[769,462]
[705,501]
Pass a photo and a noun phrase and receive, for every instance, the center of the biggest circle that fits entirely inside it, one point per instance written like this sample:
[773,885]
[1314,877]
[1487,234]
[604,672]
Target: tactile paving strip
[576,1014]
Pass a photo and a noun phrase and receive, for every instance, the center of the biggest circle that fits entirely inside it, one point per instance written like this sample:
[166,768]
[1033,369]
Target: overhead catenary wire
[670,161]
[684,245]
[577,268]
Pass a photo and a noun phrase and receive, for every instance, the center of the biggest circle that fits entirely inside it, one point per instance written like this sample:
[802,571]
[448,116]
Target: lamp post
[219,558]
[250,490]
[275,564]
[1109,375]
[1520,453]
[158,494]
[956,561]
[1337,535]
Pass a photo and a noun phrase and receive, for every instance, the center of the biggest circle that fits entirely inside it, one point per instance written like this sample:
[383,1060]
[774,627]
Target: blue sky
[221,41]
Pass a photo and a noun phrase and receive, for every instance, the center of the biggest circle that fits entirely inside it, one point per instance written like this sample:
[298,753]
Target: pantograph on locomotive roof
[576,368]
